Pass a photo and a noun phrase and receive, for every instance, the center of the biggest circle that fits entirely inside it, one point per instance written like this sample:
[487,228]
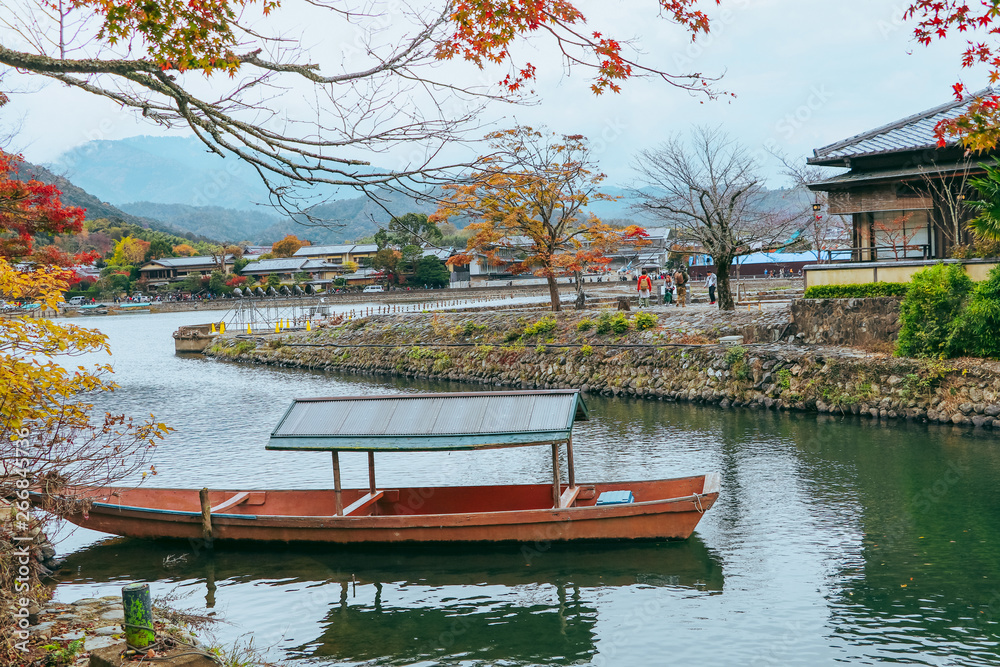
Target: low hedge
[856,291]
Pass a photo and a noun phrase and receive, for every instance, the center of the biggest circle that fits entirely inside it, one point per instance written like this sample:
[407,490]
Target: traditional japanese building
[903,194]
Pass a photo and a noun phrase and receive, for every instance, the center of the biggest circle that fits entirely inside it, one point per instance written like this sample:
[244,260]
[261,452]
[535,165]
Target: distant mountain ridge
[176,183]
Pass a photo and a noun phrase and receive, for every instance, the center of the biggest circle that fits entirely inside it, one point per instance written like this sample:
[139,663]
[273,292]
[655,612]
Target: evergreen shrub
[931,312]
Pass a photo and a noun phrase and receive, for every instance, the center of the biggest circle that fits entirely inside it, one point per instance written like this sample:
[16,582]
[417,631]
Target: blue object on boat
[615,498]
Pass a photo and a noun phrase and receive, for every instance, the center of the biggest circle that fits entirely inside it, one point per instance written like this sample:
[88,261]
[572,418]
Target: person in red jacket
[645,287]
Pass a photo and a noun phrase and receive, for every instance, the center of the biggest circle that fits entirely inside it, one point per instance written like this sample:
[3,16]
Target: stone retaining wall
[866,323]
[672,362]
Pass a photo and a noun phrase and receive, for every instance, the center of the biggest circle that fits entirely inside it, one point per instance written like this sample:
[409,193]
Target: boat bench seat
[363,505]
[248,497]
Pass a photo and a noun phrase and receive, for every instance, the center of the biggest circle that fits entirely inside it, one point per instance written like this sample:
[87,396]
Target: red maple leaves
[977,128]
[29,208]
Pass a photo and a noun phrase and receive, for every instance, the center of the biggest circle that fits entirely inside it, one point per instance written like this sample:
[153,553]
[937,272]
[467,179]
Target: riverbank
[676,359]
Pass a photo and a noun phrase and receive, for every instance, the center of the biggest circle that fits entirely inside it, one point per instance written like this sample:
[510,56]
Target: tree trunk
[725,295]
[554,293]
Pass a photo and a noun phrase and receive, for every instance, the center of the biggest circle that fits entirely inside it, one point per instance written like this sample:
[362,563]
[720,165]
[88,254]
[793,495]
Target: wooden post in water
[336,484]
[206,518]
[138,610]
[371,472]
[555,474]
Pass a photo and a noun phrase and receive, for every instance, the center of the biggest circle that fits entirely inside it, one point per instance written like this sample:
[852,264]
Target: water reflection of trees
[927,575]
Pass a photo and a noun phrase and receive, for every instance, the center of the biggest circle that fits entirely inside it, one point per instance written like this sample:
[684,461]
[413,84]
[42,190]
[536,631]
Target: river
[834,540]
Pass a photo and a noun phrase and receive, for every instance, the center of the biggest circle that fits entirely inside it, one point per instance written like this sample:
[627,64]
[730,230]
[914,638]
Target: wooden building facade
[903,194]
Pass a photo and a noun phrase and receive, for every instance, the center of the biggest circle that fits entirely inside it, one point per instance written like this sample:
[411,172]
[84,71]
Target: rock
[85,602]
[95,643]
[978,408]
[965,408]
[958,418]
[108,630]
[43,629]
[975,395]
[979,421]
[992,410]
[113,615]
[69,636]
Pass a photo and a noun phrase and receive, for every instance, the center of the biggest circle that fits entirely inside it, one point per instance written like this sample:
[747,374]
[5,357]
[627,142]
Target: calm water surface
[834,540]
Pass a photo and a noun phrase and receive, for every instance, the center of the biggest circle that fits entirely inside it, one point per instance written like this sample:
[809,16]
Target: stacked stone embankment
[677,359]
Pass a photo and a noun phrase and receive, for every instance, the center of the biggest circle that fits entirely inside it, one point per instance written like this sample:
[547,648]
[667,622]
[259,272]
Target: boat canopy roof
[427,422]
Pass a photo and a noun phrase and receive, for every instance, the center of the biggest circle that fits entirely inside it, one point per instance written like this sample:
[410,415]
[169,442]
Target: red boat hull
[663,509]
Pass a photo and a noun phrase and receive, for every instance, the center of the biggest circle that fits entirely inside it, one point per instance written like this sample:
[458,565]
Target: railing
[872,253]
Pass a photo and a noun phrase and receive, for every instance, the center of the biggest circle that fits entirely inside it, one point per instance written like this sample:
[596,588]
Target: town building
[162,271]
[339,254]
[286,268]
[902,193]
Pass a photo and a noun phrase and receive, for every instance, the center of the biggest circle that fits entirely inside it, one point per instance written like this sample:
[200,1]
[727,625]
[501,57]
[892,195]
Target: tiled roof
[910,133]
[184,262]
[276,265]
[368,247]
[904,173]
[315,250]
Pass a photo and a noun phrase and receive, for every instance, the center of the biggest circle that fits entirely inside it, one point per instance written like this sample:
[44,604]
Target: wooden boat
[560,511]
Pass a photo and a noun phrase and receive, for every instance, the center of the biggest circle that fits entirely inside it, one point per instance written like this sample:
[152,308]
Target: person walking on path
[710,282]
[680,282]
[645,287]
[667,290]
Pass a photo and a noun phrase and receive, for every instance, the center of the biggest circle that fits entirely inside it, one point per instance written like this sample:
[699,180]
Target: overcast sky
[805,74]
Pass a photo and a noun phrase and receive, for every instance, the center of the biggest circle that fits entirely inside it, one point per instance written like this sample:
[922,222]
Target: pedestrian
[710,282]
[667,289]
[680,284]
[645,287]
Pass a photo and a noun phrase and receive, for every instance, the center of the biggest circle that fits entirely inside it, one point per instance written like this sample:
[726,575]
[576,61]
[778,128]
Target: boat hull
[662,510]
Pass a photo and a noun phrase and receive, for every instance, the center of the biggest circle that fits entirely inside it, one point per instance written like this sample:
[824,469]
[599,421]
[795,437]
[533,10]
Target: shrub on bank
[978,329]
[856,291]
[931,312]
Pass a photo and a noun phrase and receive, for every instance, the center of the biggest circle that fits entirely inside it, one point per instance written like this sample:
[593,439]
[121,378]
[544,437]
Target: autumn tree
[527,200]
[710,189]
[286,247]
[50,440]
[153,61]
[184,250]
[29,208]
[129,252]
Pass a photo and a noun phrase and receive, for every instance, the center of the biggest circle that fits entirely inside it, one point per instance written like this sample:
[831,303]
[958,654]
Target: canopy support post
[336,484]
[371,472]
[555,475]
[570,471]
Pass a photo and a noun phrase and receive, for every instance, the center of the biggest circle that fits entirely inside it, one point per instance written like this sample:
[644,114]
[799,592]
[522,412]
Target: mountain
[73,195]
[226,224]
[167,170]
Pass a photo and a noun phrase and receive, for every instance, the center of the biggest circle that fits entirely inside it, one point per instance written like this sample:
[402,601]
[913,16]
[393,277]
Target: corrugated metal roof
[910,133]
[420,422]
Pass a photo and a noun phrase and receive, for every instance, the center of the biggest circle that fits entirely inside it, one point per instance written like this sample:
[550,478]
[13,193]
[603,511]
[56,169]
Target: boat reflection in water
[514,604]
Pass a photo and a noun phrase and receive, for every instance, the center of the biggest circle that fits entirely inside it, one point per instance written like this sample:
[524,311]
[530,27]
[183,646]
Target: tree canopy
[150,57]
[527,200]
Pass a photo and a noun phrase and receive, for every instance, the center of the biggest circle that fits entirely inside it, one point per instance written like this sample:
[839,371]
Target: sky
[803,75]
